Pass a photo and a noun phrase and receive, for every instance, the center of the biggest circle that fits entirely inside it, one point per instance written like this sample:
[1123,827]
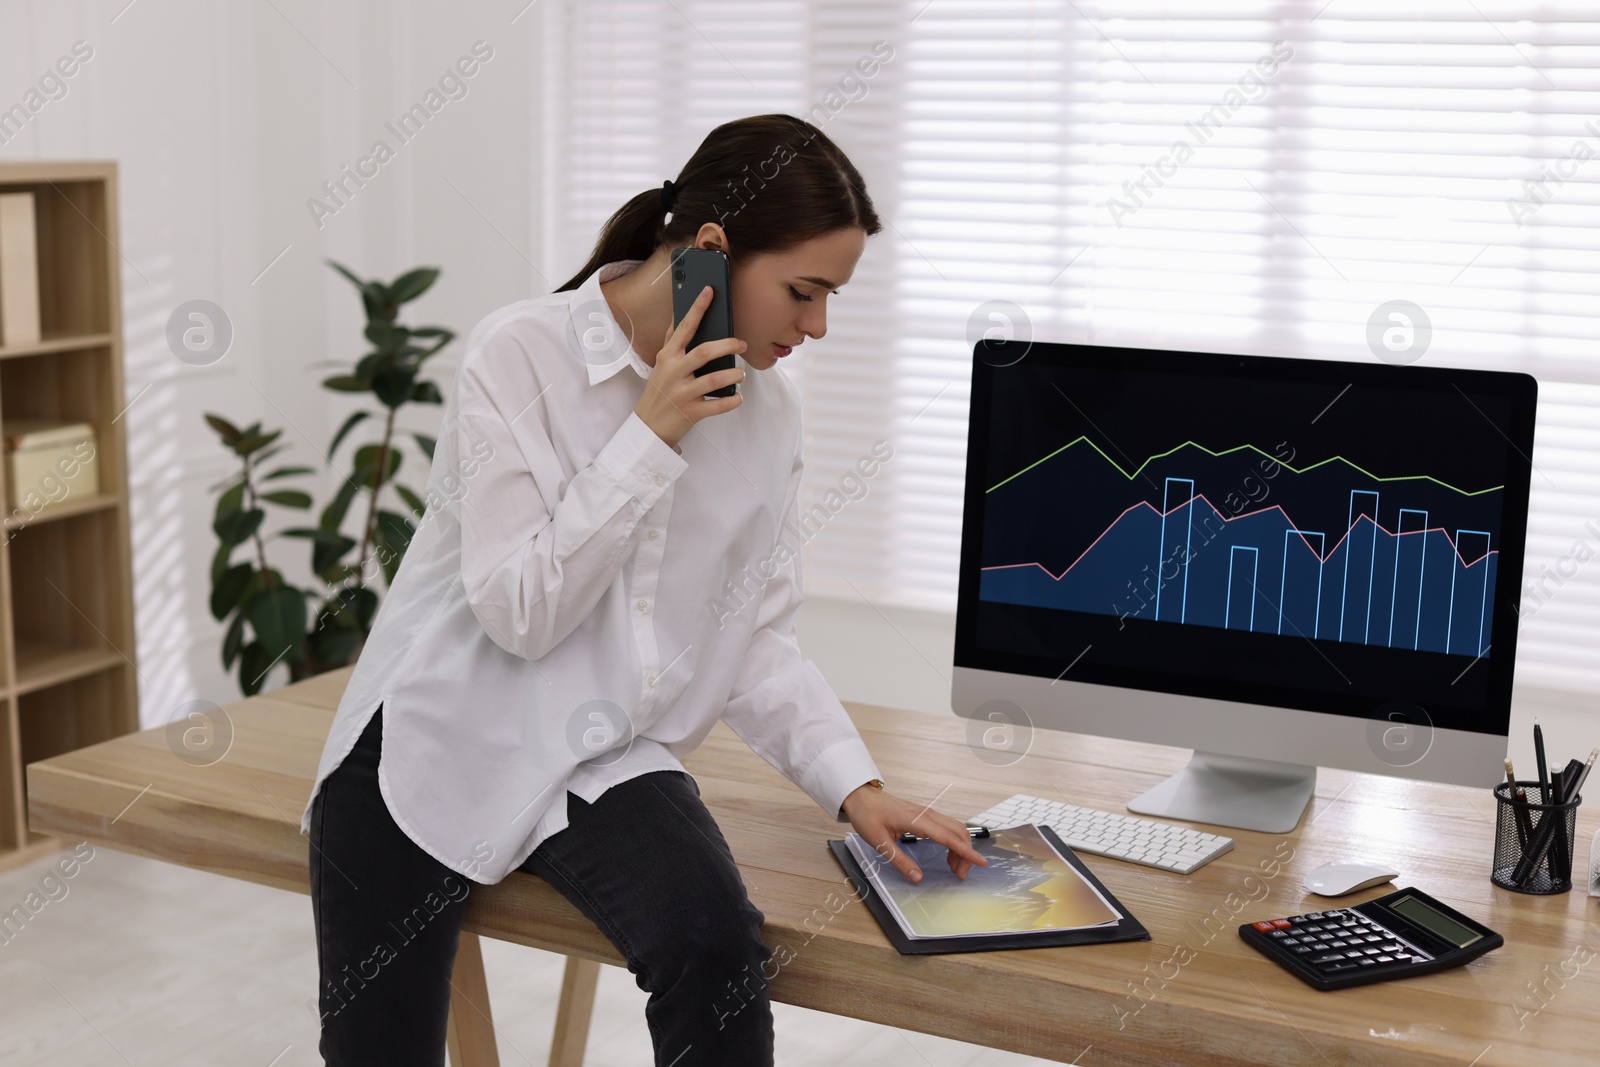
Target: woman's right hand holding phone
[674,398]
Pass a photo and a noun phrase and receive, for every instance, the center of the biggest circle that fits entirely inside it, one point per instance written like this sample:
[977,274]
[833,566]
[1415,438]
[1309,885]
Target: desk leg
[572,1015]
[471,1033]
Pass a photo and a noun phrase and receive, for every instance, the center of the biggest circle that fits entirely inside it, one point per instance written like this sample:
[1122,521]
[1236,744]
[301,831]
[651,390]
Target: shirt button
[661,479]
[654,534]
[643,605]
[650,680]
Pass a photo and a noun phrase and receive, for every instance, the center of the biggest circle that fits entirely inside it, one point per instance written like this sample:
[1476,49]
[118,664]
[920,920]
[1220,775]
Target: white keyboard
[1104,833]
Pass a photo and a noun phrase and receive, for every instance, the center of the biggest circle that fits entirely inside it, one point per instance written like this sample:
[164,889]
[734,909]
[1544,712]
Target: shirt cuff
[639,461]
[836,772]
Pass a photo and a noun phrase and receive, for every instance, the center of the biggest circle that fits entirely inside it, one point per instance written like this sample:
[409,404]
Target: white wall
[224,120]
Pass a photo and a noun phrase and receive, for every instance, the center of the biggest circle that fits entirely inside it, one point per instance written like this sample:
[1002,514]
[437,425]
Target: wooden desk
[1195,994]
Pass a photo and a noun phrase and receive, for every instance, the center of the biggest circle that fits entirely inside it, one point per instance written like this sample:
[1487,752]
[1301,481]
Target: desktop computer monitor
[1277,562]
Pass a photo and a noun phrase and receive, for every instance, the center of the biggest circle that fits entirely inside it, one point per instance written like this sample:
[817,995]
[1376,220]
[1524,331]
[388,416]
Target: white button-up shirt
[581,602]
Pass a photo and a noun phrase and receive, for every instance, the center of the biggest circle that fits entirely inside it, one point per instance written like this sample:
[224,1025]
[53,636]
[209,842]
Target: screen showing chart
[1194,519]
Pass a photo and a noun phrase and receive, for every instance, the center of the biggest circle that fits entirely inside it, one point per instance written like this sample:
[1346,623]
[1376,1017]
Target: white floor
[142,963]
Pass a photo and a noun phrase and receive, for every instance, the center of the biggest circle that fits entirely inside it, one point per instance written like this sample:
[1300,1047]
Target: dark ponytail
[771,181]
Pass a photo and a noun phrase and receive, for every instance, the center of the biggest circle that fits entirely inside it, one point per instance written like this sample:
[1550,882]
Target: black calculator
[1396,936]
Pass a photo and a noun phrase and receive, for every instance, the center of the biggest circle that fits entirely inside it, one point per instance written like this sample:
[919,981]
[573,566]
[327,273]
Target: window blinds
[1260,179]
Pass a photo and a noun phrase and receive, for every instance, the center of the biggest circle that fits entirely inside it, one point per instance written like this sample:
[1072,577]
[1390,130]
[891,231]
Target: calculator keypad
[1335,942]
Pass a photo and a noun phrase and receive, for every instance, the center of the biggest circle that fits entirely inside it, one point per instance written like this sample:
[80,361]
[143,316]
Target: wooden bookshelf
[66,594]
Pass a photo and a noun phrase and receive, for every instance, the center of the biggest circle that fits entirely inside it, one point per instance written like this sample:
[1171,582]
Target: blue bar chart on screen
[1400,559]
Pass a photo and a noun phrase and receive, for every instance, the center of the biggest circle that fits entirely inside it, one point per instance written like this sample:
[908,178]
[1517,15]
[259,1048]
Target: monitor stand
[1250,794]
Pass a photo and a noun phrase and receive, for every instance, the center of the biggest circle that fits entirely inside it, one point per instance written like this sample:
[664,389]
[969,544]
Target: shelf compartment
[70,219]
[71,386]
[40,664]
[66,591]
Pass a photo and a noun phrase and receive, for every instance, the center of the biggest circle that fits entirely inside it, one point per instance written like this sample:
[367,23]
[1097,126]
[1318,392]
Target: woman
[607,564]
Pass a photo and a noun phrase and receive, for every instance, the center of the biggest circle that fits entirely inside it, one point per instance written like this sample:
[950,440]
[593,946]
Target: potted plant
[272,620]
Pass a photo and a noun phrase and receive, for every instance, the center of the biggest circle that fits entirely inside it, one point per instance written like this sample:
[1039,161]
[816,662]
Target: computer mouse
[1346,876]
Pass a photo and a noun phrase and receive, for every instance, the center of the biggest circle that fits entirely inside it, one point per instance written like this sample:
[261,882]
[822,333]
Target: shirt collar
[595,331]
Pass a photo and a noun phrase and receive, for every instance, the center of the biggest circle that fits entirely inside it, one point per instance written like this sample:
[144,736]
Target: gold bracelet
[876,783]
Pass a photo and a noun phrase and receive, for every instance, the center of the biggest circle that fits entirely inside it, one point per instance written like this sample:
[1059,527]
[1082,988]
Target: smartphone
[692,270]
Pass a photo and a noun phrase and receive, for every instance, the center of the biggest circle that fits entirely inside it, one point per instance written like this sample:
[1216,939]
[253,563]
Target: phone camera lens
[678,275]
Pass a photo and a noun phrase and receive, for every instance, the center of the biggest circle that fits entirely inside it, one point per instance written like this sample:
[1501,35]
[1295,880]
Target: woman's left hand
[881,817]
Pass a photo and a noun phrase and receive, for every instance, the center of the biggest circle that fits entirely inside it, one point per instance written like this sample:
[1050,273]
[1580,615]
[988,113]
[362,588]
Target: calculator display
[1435,922]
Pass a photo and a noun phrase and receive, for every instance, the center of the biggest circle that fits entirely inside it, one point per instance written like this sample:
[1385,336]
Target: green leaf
[345,383]
[328,554]
[351,608]
[225,594]
[396,527]
[260,582]
[374,294]
[386,335]
[231,643]
[219,562]
[426,443]
[253,664]
[349,424]
[341,573]
[412,284]
[314,533]
[367,456]
[426,393]
[239,526]
[336,647]
[287,472]
[394,385]
[357,282]
[394,532]
[254,442]
[229,433]
[364,602]
[231,501]
[433,349]
[330,547]
[289,498]
[417,506]
[278,617]
[268,454]
[333,514]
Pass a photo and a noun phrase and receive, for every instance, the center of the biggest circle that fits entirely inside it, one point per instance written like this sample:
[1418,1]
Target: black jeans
[646,863]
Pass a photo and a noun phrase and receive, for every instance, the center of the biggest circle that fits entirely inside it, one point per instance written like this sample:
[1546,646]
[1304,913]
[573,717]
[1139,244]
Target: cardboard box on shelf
[49,461]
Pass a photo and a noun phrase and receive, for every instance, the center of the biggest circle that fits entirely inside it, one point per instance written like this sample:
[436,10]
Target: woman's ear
[712,236]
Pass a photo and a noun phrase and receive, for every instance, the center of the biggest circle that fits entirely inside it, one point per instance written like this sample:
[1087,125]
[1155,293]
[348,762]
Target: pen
[1538,755]
[1544,837]
[1561,786]
[1574,792]
[1519,808]
[973,829]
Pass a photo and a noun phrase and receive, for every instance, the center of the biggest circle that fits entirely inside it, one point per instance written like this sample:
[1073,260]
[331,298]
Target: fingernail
[916,876]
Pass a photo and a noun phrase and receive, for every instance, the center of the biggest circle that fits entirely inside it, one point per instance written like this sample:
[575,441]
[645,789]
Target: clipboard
[1126,929]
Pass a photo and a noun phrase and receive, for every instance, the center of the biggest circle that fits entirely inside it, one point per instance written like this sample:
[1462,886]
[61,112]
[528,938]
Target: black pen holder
[1533,841]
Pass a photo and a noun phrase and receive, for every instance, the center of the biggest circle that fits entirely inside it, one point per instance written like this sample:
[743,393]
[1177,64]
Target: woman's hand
[674,399]
[881,817]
